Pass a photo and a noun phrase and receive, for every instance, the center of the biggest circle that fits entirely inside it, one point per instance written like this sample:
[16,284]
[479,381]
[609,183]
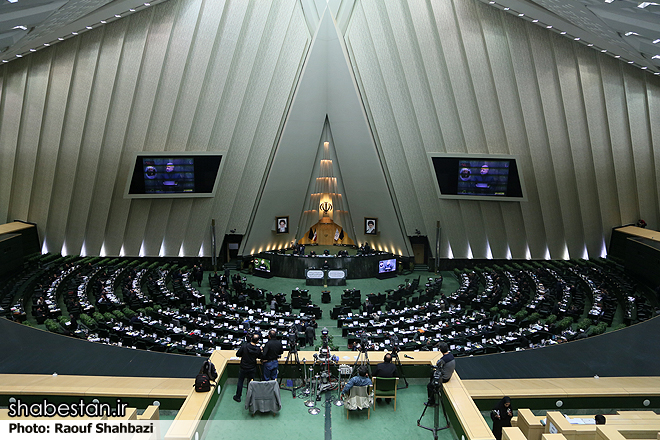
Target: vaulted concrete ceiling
[29,25]
[626,29]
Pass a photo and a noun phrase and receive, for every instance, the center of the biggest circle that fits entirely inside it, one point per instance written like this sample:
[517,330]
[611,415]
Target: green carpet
[231,420]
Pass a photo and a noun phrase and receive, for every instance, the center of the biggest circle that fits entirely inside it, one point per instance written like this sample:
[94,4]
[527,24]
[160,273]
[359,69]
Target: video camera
[292,337]
[436,377]
[324,351]
[395,343]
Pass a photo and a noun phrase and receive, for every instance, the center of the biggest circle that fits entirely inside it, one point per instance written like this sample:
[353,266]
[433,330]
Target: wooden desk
[511,433]
[94,386]
[530,425]
[469,416]
[192,411]
[564,387]
[620,422]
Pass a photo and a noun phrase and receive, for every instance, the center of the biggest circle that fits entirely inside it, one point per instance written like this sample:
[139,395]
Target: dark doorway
[229,251]
[421,249]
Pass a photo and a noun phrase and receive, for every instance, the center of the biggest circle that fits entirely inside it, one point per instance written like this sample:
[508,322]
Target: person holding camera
[501,416]
[444,370]
[249,353]
[271,352]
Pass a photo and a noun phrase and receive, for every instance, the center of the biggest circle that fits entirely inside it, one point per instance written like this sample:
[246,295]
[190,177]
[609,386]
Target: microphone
[406,356]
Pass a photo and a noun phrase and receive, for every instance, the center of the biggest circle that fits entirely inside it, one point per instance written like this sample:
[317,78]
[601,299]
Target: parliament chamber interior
[457,199]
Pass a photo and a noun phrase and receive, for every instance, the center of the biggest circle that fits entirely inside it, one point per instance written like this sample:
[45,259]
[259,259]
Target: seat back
[359,398]
[385,386]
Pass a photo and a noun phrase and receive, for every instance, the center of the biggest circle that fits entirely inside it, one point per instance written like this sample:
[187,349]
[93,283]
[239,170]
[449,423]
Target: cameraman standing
[446,366]
[271,352]
[249,353]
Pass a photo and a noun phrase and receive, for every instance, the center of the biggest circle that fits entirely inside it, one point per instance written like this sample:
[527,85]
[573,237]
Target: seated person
[360,380]
[385,369]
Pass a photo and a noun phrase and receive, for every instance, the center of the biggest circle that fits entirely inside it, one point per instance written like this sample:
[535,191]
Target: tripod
[293,361]
[436,413]
[362,359]
[399,367]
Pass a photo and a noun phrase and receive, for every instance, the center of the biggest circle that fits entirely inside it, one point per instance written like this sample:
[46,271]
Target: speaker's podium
[325,277]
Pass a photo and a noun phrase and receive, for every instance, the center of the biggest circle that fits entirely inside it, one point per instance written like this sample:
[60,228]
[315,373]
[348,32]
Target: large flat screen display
[261,264]
[174,175]
[386,266]
[482,177]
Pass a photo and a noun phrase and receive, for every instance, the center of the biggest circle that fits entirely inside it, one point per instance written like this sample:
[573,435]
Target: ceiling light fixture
[643,5]
[655,57]
[21,27]
[535,21]
[656,41]
[627,34]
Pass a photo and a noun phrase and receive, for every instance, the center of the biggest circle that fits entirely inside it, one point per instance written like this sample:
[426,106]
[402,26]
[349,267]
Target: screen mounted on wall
[173,175]
[482,177]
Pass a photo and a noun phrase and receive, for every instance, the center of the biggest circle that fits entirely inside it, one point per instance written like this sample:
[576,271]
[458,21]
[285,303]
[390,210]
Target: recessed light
[88,27]
[590,44]
[656,41]
[117,15]
[74,33]
[60,38]
[21,27]
[617,56]
[132,10]
[46,44]
[644,68]
[5,61]
[149,4]
[33,50]
[19,56]
[521,15]
[655,57]
[603,50]
[535,21]
[506,9]
[103,22]
[630,62]
[563,32]
[576,39]
[548,27]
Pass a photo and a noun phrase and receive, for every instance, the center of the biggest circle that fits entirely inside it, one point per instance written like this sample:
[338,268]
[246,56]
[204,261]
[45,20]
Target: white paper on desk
[346,358]
[234,358]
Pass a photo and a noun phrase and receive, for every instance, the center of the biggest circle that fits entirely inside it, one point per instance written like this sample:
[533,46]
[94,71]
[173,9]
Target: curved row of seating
[532,306]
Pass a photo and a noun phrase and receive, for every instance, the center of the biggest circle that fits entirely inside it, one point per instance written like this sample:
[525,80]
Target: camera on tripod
[292,337]
[324,351]
[395,344]
[364,342]
[436,377]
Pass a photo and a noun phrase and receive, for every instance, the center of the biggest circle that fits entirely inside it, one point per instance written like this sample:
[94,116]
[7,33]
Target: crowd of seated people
[492,311]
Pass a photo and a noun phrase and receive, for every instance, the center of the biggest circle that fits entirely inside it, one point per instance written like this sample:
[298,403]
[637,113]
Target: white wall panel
[89,166]
[104,228]
[434,76]
[638,119]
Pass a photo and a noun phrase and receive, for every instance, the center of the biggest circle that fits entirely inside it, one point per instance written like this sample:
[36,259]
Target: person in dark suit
[385,369]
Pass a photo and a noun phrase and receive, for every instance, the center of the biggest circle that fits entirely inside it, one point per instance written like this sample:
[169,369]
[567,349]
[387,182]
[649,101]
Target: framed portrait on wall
[282,224]
[370,225]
